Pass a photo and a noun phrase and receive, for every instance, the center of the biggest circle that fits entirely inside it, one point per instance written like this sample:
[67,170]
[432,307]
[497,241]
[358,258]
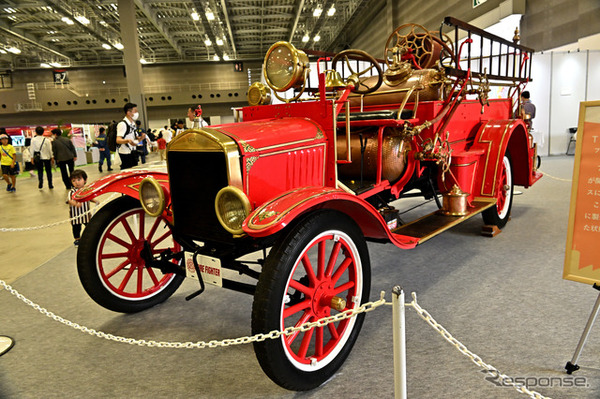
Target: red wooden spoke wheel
[500,213]
[320,269]
[109,260]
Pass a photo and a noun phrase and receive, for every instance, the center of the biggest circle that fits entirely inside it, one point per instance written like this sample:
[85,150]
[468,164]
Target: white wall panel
[568,90]
[593,79]
[539,87]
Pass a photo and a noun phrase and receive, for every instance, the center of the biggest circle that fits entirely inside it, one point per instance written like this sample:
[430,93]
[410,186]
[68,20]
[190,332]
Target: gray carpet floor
[503,297]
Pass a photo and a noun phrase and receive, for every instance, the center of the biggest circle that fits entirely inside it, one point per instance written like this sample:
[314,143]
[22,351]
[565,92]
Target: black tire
[499,214]
[283,359]
[109,257]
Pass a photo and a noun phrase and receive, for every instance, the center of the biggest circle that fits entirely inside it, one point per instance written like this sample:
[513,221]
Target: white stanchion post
[399,343]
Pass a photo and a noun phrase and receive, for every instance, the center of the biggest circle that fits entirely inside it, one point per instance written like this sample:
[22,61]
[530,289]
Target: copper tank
[428,83]
[394,154]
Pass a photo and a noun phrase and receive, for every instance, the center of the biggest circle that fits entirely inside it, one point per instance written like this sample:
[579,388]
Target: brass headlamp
[259,94]
[285,67]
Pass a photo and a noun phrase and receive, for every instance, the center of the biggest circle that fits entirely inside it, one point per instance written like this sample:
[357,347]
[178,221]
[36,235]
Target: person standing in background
[42,156]
[29,166]
[102,145]
[527,109]
[142,145]
[167,134]
[126,136]
[162,146]
[64,156]
[8,160]
[195,111]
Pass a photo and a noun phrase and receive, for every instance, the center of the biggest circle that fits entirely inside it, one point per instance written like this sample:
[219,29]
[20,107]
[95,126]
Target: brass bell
[333,80]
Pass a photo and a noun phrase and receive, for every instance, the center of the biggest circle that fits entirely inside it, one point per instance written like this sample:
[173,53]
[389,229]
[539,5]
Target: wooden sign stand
[582,262]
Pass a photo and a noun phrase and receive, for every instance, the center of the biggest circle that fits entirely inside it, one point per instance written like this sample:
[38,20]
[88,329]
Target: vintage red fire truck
[288,196]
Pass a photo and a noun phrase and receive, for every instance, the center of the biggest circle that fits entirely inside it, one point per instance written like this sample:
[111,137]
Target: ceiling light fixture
[55,64]
[143,61]
[305,38]
[195,16]
[67,20]
[225,57]
[118,46]
[13,50]
[219,42]
[317,12]
[106,46]
[2,51]
[207,42]
[216,57]
[331,11]
[317,38]
[44,65]
[209,15]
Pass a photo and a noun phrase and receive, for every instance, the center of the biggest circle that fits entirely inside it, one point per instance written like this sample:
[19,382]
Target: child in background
[29,166]
[8,160]
[79,212]
[162,146]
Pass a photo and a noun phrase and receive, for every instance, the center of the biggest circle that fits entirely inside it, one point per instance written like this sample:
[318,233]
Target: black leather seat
[374,115]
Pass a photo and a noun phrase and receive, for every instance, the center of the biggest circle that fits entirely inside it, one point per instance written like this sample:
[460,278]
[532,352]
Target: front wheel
[109,262]
[319,269]
[499,214]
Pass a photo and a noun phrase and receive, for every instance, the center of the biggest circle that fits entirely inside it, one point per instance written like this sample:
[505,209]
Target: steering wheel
[355,76]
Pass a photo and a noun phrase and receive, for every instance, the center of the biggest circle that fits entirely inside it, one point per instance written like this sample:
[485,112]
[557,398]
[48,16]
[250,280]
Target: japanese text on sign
[582,260]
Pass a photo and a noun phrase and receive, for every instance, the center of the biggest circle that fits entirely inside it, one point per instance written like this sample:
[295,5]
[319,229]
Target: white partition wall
[561,80]
[540,86]
[593,82]
[569,76]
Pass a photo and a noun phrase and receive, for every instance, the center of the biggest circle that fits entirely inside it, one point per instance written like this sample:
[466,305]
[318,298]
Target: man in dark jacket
[102,144]
[64,156]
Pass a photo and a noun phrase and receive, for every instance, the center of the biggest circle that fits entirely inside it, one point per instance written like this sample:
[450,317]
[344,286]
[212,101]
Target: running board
[435,223]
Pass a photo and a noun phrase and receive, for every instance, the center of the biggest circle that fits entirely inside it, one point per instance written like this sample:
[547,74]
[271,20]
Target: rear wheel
[109,262]
[499,214]
[319,269]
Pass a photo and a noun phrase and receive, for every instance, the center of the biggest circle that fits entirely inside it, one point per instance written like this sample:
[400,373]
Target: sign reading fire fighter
[582,258]
[210,269]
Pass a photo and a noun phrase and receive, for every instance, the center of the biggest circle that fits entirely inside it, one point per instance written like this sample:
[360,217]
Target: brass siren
[259,94]
[397,74]
[333,80]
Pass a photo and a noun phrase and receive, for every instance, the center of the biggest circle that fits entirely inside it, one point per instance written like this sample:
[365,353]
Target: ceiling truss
[87,32]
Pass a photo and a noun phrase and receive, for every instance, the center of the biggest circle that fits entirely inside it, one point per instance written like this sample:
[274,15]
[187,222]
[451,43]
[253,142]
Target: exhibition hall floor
[503,297]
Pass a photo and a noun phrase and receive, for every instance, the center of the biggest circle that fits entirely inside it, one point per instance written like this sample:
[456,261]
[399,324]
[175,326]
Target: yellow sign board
[582,255]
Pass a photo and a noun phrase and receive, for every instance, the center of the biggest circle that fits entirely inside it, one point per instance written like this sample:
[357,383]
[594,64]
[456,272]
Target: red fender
[494,137]
[273,216]
[127,183]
